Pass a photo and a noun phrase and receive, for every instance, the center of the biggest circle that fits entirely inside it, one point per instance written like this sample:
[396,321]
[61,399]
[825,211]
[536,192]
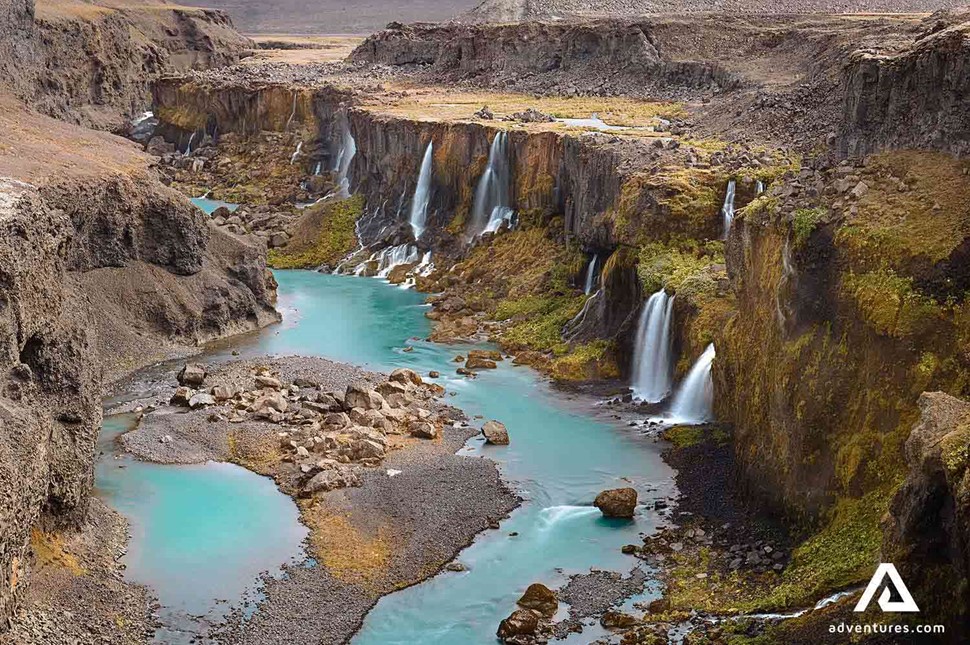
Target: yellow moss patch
[918,205]
[49,551]
[253,451]
[348,553]
[323,236]
[593,360]
[889,304]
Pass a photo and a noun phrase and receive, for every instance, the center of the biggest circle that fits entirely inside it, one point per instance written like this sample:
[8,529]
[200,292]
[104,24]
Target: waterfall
[296,153]
[492,205]
[591,274]
[652,368]
[318,168]
[188,148]
[345,155]
[292,114]
[759,187]
[694,402]
[422,194]
[391,257]
[727,211]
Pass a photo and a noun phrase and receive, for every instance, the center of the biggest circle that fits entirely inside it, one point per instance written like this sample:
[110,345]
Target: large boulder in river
[617,502]
[495,433]
[404,375]
[192,375]
[361,397]
[479,363]
[521,622]
[540,598]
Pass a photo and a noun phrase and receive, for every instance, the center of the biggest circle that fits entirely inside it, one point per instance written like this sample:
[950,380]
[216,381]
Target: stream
[562,453]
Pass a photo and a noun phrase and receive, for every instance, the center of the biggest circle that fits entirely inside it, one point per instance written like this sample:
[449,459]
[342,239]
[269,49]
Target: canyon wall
[94,65]
[913,98]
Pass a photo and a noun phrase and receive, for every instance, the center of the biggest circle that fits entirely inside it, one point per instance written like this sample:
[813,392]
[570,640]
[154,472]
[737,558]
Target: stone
[405,376]
[617,620]
[201,400]
[495,433]
[360,397]
[328,480]
[271,401]
[617,502]
[192,375]
[222,393]
[388,388]
[860,190]
[490,354]
[182,396]
[659,606]
[540,598]
[455,566]
[485,114]
[478,363]
[301,451]
[336,420]
[520,622]
[433,374]
[268,382]
[424,430]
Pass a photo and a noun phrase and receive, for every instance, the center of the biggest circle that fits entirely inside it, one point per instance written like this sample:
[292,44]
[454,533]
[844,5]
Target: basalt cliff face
[123,48]
[103,269]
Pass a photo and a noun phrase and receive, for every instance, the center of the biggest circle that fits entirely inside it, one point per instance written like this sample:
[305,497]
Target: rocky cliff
[913,98]
[124,48]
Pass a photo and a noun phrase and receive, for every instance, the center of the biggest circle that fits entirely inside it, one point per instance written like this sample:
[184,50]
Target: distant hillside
[331,16]
[516,10]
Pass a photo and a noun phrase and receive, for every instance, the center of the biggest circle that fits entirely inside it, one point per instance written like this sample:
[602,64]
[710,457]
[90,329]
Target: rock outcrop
[127,48]
[928,530]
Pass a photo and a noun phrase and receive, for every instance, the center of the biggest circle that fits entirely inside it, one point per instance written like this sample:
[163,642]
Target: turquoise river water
[563,452]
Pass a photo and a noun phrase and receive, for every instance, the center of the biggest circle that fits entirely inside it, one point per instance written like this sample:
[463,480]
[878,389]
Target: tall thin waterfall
[759,187]
[588,288]
[492,206]
[296,153]
[345,155]
[727,211]
[422,194]
[652,367]
[694,402]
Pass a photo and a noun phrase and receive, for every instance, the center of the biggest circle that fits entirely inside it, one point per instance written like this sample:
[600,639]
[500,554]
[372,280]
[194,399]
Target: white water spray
[694,402]
[727,210]
[296,153]
[422,194]
[591,275]
[492,206]
[345,155]
[759,187]
[652,367]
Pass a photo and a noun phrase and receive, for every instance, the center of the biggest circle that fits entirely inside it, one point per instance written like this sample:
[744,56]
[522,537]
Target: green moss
[804,222]
[537,321]
[333,238]
[843,553]
[681,268]
[585,362]
[890,305]
[955,451]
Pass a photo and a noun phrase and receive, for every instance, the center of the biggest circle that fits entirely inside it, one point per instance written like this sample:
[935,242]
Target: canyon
[743,236]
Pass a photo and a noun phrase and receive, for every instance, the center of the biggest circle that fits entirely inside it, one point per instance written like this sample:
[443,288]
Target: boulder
[182,396]
[423,430]
[360,397]
[490,354]
[617,620]
[521,622]
[222,393]
[617,502]
[336,420]
[495,433]
[201,400]
[405,376]
[192,375]
[478,363]
[388,388]
[328,480]
[269,401]
[268,382]
[540,598]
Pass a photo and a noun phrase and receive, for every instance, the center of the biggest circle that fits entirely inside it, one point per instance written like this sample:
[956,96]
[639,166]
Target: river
[563,452]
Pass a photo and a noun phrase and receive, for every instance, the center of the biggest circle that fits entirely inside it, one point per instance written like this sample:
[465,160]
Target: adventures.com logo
[895,598]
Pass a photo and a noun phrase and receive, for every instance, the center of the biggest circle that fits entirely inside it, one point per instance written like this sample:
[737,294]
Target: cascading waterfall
[318,168]
[296,153]
[652,369]
[591,274]
[492,206]
[727,211]
[188,148]
[694,402]
[345,155]
[422,194]
[759,187]
[391,257]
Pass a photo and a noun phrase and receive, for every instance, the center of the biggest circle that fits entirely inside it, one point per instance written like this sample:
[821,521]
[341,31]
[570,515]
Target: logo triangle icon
[906,602]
